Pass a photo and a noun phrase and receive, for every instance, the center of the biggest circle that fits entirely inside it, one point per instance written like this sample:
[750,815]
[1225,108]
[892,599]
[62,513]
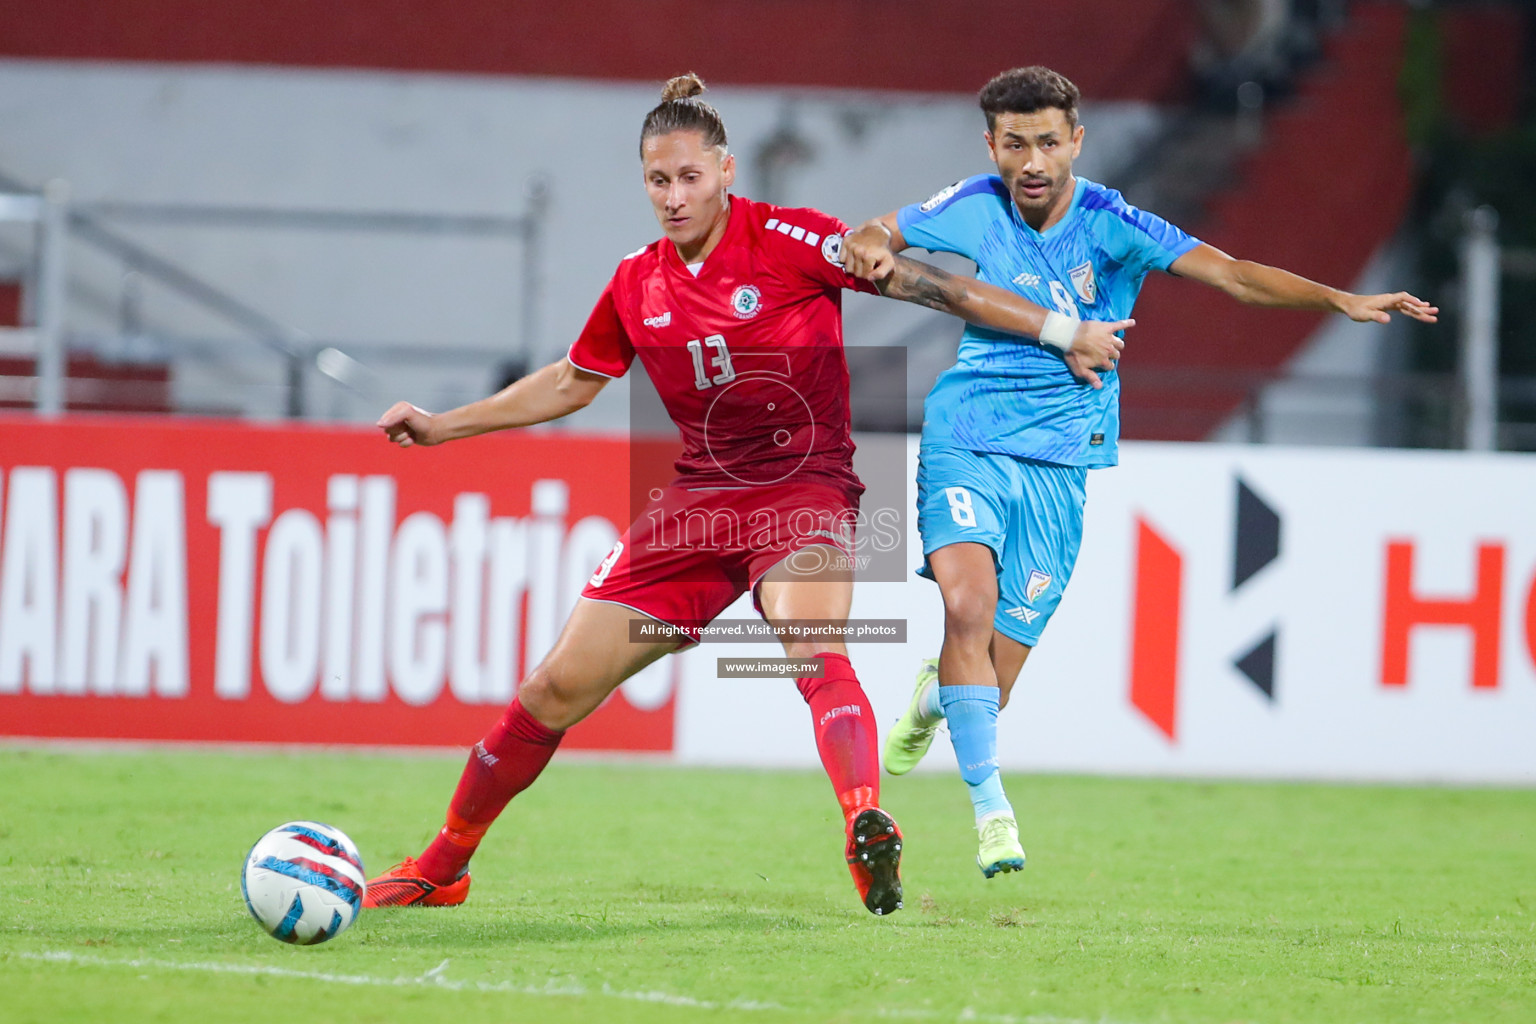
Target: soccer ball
[303,882]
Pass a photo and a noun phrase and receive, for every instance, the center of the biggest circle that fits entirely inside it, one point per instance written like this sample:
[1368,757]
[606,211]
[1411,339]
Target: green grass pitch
[639,892]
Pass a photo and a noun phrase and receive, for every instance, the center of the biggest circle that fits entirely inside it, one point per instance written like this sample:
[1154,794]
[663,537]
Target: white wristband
[1059,330]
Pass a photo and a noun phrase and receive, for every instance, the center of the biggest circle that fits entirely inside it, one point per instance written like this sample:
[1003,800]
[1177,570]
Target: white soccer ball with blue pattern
[303,882]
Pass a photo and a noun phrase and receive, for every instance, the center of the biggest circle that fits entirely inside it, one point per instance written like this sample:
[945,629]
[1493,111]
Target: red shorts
[693,552]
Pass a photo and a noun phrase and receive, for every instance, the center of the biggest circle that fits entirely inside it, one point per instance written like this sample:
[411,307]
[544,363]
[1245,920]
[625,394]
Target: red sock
[846,735]
[500,766]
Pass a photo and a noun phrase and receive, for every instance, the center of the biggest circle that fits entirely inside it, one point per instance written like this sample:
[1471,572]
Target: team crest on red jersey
[746,301]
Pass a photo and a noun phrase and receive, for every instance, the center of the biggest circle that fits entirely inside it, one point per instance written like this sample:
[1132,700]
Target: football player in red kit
[736,316]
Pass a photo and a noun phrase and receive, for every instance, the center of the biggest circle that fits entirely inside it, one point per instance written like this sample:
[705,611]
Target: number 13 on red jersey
[721,361]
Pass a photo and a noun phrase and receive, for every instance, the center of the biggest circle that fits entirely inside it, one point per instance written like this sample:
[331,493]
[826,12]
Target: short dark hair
[681,110]
[1026,90]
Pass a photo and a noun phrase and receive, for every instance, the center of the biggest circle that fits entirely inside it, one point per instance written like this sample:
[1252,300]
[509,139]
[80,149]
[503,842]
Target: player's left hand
[1379,308]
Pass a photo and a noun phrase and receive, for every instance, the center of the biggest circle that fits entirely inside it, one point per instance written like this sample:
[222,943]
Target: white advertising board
[1235,611]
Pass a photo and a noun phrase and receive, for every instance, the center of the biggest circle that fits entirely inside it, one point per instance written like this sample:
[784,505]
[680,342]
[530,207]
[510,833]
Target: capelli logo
[658,321]
[838,712]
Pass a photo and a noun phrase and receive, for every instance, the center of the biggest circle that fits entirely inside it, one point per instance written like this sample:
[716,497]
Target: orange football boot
[874,859]
[404,886]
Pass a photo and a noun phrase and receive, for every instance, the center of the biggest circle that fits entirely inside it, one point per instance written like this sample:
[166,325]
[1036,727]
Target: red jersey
[747,356]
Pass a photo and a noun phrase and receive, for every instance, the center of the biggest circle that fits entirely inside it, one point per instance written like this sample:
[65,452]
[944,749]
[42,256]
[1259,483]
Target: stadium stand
[1326,188]
[1114,49]
[1199,358]
[93,385]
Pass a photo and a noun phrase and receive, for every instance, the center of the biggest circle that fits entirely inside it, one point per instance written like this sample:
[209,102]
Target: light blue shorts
[1029,513]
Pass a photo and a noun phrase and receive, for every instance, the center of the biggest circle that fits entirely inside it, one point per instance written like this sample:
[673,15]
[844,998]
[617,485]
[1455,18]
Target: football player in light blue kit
[1010,431]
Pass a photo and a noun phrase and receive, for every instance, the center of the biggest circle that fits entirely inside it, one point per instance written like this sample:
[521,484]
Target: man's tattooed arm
[925,285]
[1095,345]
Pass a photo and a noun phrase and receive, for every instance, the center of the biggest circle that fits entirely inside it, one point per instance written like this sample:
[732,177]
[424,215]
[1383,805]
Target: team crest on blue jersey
[1083,281]
[937,199]
[1036,584]
[746,301]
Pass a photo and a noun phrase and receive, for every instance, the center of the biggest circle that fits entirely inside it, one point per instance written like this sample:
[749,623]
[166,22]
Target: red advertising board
[216,581]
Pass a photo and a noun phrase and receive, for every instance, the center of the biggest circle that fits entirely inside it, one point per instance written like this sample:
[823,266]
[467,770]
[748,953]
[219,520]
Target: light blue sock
[972,714]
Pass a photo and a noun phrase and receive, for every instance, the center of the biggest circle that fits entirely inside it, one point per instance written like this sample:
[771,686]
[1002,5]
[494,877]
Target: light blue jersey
[1013,398]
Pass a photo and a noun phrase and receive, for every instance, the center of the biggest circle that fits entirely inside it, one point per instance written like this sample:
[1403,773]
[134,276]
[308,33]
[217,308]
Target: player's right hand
[405,425]
[1096,346]
[867,253]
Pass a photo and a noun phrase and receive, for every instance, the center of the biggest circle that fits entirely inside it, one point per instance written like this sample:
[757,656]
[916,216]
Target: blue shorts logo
[1036,585]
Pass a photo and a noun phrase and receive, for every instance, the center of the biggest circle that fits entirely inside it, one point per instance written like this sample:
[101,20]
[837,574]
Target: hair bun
[682,109]
[682,87]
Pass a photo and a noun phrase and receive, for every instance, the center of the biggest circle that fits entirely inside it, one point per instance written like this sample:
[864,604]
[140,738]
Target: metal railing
[1419,409]
[44,298]
[57,222]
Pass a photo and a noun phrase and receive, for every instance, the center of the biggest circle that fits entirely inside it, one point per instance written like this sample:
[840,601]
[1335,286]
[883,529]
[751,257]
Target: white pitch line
[434,978]
[437,978]
[966,1015]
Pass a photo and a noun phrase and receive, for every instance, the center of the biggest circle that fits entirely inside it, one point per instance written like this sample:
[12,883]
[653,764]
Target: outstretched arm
[557,390]
[1260,285]
[1087,345]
